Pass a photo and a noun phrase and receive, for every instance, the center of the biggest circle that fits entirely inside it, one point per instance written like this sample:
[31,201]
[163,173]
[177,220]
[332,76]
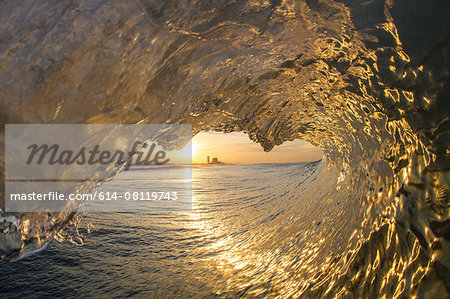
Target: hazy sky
[238,148]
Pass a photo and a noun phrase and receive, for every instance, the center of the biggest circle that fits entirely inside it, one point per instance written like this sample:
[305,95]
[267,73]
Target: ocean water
[366,81]
[212,250]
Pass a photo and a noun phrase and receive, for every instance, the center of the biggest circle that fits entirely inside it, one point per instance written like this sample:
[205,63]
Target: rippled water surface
[206,251]
[366,81]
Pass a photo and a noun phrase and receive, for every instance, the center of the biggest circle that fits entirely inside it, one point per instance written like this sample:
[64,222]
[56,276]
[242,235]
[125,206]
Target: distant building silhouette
[215,161]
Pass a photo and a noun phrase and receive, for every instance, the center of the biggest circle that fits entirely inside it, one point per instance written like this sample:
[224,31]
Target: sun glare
[194,147]
[237,148]
[186,151]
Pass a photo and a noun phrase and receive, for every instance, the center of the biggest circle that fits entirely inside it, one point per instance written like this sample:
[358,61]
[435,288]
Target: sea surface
[203,251]
[367,82]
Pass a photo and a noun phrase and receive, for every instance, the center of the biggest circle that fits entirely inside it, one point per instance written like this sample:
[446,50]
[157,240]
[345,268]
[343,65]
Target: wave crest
[351,78]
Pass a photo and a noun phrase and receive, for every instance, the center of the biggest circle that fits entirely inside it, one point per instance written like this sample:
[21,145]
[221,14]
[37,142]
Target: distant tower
[208,159]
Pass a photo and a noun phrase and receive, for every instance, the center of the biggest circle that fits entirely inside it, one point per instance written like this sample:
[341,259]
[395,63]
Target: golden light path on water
[366,81]
[238,259]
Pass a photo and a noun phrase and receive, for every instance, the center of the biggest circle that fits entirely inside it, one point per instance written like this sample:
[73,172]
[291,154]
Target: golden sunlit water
[365,81]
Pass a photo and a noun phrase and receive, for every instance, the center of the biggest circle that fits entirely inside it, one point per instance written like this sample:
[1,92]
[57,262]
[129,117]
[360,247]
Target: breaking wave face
[365,81]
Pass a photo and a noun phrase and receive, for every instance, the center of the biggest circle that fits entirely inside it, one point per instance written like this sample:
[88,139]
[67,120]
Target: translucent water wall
[365,81]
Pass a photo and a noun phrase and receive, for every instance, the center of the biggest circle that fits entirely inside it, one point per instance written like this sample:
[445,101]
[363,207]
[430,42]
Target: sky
[237,148]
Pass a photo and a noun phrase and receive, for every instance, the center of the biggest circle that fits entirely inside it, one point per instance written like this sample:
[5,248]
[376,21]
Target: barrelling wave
[366,81]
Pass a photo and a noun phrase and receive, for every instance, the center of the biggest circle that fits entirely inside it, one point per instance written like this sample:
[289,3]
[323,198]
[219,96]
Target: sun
[194,148]
[189,150]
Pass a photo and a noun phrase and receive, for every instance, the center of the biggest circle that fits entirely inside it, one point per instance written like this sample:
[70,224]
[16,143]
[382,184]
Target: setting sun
[237,148]
[194,148]
[188,151]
